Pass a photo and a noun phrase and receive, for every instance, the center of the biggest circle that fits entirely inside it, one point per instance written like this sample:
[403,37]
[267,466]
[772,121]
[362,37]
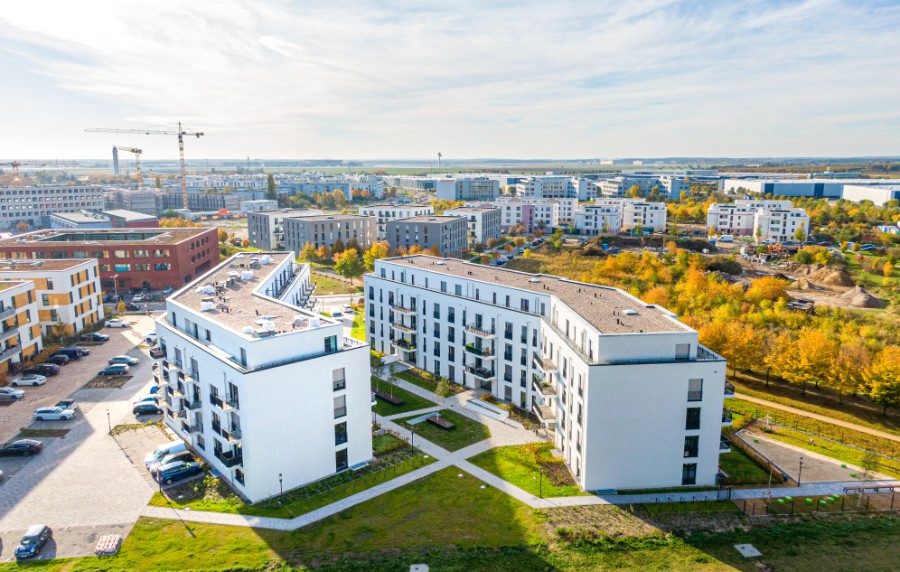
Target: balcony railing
[544,413]
[232,402]
[402,328]
[217,428]
[216,401]
[481,331]
[158,353]
[233,435]
[403,310]
[481,372]
[726,417]
[229,459]
[405,345]
[192,405]
[546,365]
[543,388]
[484,352]
[8,353]
[9,332]
[729,390]
[7,313]
[724,444]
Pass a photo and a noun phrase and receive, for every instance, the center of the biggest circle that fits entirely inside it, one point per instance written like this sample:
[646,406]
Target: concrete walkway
[838,422]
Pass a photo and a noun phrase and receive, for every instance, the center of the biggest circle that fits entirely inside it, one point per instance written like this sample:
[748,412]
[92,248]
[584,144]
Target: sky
[470,79]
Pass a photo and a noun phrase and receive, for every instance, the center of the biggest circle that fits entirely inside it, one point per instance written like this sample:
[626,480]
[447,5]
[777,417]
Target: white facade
[35,204]
[384,213]
[638,213]
[532,213]
[632,399]
[780,224]
[260,388]
[741,217]
[259,205]
[20,333]
[879,195]
[592,220]
[557,187]
[483,223]
[468,189]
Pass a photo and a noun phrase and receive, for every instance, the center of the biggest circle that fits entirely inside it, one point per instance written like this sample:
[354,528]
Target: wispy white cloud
[515,79]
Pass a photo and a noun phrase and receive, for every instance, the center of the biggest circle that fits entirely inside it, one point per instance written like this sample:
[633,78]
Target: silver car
[32,379]
[53,414]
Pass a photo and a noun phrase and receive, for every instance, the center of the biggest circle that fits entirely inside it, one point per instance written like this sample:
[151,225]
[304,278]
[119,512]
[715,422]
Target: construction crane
[16,164]
[137,160]
[180,133]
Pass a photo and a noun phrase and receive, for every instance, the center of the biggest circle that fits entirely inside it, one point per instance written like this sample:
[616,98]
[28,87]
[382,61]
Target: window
[457,289]
[689,474]
[691,444]
[340,406]
[340,433]
[338,381]
[508,331]
[695,390]
[437,349]
[693,419]
[436,312]
[340,460]
[331,344]
[451,314]
[451,335]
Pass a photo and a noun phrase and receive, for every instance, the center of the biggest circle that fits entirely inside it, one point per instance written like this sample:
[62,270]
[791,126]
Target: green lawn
[425,380]
[517,465]
[412,401]
[464,434]
[359,326]
[294,503]
[741,469]
[328,285]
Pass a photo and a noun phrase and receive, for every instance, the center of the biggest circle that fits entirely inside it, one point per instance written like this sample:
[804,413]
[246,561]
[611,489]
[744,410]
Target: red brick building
[136,258]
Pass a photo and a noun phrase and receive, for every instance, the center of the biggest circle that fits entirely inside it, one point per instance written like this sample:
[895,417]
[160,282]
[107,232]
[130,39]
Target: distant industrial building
[128,258]
[483,222]
[265,229]
[448,233]
[384,213]
[34,205]
[259,205]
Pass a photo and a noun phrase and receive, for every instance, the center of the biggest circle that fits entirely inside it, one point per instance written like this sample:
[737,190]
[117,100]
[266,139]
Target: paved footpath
[838,422]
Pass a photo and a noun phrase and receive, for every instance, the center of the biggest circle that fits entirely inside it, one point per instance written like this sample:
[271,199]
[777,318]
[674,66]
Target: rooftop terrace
[26,265]
[143,237]
[610,310]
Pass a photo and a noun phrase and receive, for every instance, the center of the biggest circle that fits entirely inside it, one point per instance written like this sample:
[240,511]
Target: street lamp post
[800,472]
[280,484]
[115,289]
[412,439]
[108,422]
[541,483]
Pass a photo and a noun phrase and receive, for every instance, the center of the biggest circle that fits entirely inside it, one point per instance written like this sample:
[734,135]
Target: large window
[689,474]
[693,419]
[340,406]
[340,433]
[695,390]
[340,460]
[691,446]
[338,380]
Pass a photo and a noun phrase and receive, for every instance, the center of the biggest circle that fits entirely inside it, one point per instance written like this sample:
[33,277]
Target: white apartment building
[67,291]
[557,187]
[468,189]
[267,393]
[20,332]
[639,213]
[265,229]
[780,224]
[483,222]
[384,213]
[259,205]
[35,204]
[739,218]
[592,220]
[632,398]
[532,213]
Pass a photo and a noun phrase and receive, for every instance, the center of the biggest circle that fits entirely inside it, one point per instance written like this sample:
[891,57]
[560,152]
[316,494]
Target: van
[164,450]
[726,238]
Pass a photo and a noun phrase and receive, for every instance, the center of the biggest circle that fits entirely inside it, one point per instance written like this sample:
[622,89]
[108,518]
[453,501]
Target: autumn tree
[271,188]
[882,378]
[245,243]
[348,264]
[338,246]
[850,362]
[815,352]
[767,288]
[324,252]
[434,250]
[375,252]
[308,252]
[223,235]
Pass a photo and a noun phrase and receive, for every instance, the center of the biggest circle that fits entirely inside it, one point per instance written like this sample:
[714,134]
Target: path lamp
[412,439]
[541,483]
[800,472]
[108,422]
[280,484]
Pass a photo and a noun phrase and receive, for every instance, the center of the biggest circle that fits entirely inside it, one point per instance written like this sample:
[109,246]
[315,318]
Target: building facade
[468,189]
[483,222]
[20,332]
[34,205]
[265,229]
[202,201]
[130,258]
[384,213]
[557,187]
[448,233]
[67,292]
[739,218]
[325,230]
[631,397]
[259,205]
[269,394]
[593,220]
[146,202]
[637,213]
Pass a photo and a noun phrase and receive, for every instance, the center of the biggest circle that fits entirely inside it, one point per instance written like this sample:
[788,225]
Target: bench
[441,422]
[384,396]
[873,488]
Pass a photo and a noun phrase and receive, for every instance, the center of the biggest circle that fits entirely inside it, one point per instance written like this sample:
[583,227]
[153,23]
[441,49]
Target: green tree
[338,246]
[271,188]
[375,252]
[883,378]
[800,235]
[308,252]
[158,183]
[348,264]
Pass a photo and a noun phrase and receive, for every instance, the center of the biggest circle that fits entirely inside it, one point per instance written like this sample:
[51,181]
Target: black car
[35,538]
[129,307]
[58,359]
[94,337]
[71,353]
[67,404]
[146,408]
[22,447]
[45,369]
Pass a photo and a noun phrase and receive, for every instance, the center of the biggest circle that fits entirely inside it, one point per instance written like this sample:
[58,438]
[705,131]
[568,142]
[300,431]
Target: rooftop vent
[246,275]
[630,312]
[534,280]
[440,263]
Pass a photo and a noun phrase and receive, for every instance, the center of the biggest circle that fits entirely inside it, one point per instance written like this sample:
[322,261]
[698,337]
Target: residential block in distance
[483,222]
[269,394]
[384,213]
[448,233]
[765,220]
[638,213]
[35,204]
[631,397]
[67,291]
[20,332]
[325,230]
[265,229]
[467,189]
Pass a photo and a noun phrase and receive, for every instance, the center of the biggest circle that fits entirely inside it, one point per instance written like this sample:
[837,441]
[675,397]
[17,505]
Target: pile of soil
[832,277]
[860,298]
[804,284]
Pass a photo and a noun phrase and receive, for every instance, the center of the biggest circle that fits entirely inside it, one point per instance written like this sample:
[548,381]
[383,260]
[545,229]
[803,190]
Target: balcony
[403,310]
[546,365]
[233,435]
[231,402]
[8,333]
[7,313]
[724,444]
[230,459]
[192,377]
[215,400]
[726,418]
[729,390]
[544,389]
[483,352]
[544,413]
[405,346]
[158,353]
[403,328]
[192,405]
[165,362]
[481,331]
[10,352]
[481,372]
[217,428]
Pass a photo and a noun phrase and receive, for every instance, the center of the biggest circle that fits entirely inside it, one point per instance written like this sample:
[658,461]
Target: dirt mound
[831,277]
[804,284]
[860,298]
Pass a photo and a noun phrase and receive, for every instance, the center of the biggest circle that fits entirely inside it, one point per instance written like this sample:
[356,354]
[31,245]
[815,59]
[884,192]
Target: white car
[147,399]
[127,360]
[11,393]
[32,379]
[137,299]
[117,323]
[151,338]
[53,414]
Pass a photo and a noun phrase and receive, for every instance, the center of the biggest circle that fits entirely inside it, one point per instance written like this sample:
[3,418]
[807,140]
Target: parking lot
[86,483]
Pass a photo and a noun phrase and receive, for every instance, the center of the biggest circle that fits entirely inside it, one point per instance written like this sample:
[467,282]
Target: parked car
[58,359]
[71,353]
[67,403]
[21,448]
[151,338]
[180,456]
[53,414]
[94,337]
[32,379]
[146,408]
[337,315]
[163,450]
[147,399]
[137,299]
[176,471]
[168,290]
[117,369]
[128,360]
[116,323]
[35,538]
[84,351]
[45,369]
[10,393]
[347,309]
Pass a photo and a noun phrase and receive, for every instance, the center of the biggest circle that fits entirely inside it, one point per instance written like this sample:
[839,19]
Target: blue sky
[403,79]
